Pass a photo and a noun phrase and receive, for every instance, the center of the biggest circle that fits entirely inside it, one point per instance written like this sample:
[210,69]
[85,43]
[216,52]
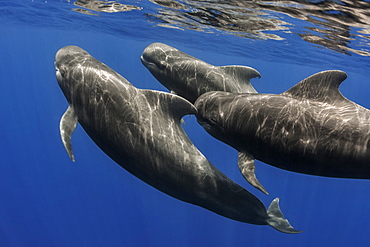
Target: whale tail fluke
[276,218]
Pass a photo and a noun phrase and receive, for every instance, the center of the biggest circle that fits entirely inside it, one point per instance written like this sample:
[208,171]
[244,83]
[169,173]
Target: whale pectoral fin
[243,74]
[247,168]
[276,218]
[67,126]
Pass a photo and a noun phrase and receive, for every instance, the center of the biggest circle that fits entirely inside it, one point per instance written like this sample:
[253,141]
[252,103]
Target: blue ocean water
[47,200]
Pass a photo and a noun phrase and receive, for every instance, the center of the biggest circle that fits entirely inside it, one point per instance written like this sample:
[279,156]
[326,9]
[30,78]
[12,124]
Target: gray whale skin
[190,77]
[311,128]
[141,131]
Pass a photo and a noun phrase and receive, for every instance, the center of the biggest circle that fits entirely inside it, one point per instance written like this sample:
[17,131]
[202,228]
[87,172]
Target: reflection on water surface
[342,26]
[102,6]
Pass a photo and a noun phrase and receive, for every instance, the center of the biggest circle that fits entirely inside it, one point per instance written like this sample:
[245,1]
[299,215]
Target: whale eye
[61,72]
[162,65]
[212,121]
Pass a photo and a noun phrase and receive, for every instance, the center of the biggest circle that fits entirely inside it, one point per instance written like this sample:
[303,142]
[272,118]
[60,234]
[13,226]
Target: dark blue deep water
[47,200]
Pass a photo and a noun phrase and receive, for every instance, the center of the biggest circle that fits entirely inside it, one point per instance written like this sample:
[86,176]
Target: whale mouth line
[146,62]
[55,66]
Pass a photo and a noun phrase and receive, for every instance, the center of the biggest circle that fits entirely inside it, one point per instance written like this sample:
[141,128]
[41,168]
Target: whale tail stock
[276,218]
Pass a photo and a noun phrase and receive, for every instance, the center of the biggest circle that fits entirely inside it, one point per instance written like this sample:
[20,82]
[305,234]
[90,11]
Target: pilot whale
[311,128]
[190,77]
[141,131]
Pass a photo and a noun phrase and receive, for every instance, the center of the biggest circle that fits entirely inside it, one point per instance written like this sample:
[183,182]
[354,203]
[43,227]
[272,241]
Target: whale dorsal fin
[175,106]
[243,74]
[323,87]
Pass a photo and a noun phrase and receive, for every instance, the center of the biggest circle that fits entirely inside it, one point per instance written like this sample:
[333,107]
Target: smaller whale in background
[190,77]
[311,128]
[141,131]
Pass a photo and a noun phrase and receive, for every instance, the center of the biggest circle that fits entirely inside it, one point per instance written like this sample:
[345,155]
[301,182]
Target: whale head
[154,56]
[214,114]
[171,67]
[160,59]
[68,65]
[209,114]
